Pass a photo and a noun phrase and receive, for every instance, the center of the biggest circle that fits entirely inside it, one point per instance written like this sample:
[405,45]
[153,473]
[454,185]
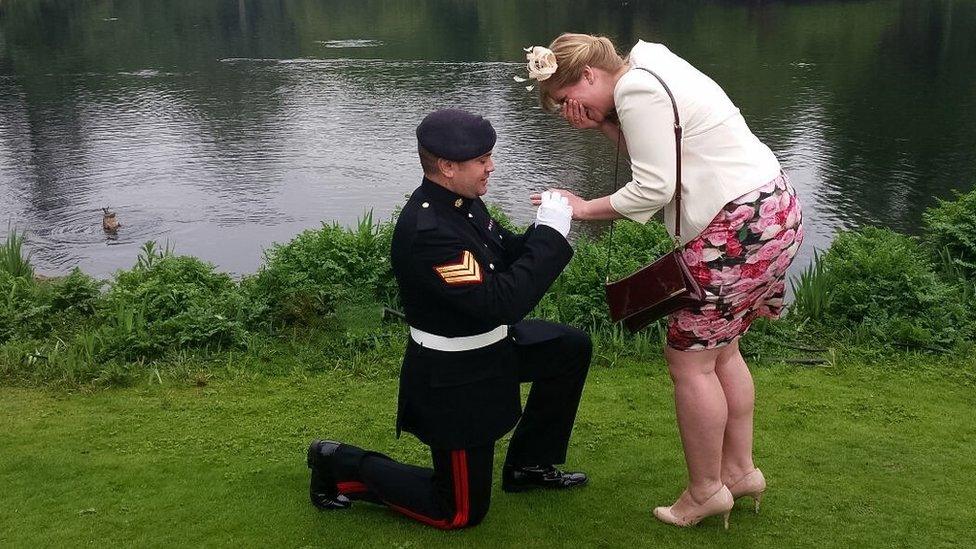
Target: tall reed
[811,291]
[12,258]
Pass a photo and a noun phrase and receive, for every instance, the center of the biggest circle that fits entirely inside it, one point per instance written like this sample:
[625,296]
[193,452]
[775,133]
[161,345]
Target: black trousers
[456,492]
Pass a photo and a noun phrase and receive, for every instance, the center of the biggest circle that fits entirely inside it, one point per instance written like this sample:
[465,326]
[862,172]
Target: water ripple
[224,162]
[352,43]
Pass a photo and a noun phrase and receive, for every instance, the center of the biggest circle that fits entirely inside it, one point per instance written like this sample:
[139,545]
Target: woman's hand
[575,202]
[576,114]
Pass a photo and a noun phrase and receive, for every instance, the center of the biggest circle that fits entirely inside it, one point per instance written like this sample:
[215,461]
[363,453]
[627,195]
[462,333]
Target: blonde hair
[574,52]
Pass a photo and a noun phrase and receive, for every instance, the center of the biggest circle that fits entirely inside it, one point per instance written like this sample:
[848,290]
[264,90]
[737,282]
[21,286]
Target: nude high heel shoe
[753,485]
[720,503]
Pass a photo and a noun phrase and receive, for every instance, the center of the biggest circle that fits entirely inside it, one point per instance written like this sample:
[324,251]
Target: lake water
[226,125]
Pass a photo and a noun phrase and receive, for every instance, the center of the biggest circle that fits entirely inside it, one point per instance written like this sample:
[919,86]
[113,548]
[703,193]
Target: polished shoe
[522,478]
[322,489]
[720,503]
[752,485]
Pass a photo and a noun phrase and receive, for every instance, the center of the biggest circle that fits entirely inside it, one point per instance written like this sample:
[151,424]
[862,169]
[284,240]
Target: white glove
[555,212]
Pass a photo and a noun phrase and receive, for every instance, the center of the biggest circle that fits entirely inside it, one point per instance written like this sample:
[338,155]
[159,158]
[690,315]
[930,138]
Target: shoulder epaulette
[426,216]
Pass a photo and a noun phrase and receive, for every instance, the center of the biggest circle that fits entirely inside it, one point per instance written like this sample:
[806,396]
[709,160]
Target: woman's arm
[646,107]
[598,208]
[613,133]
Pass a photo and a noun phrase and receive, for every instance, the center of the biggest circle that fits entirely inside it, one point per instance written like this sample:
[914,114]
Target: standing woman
[741,227]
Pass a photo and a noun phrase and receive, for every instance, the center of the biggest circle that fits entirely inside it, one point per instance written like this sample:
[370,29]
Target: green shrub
[31,309]
[577,297]
[950,230]
[24,312]
[170,302]
[301,281]
[76,292]
[883,287]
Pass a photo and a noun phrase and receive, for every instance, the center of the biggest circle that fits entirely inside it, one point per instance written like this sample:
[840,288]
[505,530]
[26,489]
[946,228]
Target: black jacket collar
[445,198]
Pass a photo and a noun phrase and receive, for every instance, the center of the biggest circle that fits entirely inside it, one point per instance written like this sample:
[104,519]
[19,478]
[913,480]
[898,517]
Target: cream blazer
[720,157]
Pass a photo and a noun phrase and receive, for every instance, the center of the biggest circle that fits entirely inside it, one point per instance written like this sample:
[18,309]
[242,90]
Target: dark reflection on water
[225,126]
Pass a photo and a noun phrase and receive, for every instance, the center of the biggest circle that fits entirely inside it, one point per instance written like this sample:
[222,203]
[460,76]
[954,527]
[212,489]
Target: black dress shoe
[322,488]
[522,478]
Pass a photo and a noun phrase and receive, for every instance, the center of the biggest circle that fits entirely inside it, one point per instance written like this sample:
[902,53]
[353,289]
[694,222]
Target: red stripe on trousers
[461,499]
[351,487]
[459,469]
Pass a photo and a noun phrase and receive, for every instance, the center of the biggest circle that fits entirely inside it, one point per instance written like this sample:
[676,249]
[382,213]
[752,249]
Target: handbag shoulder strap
[677,153]
[677,179]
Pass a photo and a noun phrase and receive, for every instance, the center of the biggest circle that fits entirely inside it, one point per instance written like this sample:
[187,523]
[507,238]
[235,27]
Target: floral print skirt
[740,260]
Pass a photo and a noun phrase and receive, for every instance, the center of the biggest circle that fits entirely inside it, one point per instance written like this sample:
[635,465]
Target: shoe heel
[726,518]
[309,457]
[757,498]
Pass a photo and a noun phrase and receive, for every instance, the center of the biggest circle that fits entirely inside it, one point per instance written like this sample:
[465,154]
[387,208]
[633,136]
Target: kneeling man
[466,284]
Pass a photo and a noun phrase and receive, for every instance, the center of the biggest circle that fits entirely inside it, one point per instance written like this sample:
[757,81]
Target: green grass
[856,455]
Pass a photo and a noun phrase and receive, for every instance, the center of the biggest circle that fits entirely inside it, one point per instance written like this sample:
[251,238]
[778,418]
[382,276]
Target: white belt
[463,343]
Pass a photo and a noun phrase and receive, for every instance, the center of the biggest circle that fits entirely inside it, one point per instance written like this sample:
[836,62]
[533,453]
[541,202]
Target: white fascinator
[541,65]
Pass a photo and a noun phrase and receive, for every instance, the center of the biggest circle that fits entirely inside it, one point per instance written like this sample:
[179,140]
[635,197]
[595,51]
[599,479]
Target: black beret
[457,135]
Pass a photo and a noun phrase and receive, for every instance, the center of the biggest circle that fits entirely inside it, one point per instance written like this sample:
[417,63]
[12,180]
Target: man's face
[471,176]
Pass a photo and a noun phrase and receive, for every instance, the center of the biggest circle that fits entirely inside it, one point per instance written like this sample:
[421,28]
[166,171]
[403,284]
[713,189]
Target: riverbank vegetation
[172,404]
[873,289]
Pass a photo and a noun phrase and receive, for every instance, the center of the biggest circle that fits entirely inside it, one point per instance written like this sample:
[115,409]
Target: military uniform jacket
[461,273]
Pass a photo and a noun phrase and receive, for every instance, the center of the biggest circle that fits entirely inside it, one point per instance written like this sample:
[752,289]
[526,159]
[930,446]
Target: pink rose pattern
[740,260]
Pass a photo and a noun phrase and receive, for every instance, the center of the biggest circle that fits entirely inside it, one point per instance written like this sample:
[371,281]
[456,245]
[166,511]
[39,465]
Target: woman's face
[594,91]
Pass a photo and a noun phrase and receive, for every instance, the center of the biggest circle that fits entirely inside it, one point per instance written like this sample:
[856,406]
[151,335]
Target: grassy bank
[857,455]
[172,405]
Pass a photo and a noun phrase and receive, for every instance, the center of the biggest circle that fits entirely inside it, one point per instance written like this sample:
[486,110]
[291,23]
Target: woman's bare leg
[740,396]
[702,412]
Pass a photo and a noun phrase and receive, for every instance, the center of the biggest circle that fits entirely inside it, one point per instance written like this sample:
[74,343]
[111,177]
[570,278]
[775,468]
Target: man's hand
[554,211]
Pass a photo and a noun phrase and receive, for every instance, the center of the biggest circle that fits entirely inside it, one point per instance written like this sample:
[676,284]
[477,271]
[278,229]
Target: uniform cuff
[562,245]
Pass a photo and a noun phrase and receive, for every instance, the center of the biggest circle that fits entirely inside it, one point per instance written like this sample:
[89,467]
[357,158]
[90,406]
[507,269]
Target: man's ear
[588,74]
[446,167]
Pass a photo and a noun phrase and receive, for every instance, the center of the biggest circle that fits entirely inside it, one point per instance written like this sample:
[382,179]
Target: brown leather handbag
[665,285]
